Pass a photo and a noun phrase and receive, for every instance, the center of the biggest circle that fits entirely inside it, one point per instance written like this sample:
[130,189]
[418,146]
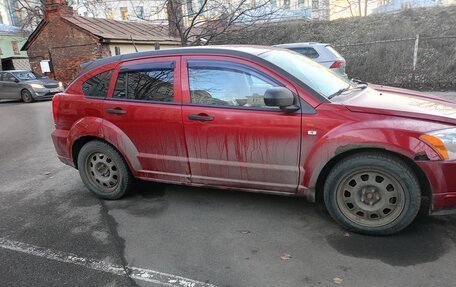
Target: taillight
[337,64]
[55,107]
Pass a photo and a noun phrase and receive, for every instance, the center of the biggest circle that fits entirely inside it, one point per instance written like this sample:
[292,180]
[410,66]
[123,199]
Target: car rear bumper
[442,178]
[62,146]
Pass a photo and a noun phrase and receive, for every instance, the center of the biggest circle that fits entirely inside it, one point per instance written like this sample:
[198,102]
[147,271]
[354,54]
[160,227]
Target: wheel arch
[425,185]
[81,141]
[25,89]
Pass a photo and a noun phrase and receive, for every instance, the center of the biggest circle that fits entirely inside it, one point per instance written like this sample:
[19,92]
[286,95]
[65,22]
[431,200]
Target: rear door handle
[116,111]
[200,117]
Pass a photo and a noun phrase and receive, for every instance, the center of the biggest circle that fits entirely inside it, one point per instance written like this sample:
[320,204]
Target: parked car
[27,85]
[321,53]
[259,119]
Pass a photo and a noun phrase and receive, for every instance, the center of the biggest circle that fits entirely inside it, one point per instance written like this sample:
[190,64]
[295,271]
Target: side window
[98,85]
[7,77]
[307,51]
[151,85]
[227,87]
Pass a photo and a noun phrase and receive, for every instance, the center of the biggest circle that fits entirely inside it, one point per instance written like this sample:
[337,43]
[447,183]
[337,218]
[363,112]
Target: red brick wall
[67,47]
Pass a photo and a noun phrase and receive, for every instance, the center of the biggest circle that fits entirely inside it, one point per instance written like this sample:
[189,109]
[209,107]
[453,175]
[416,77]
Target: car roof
[301,44]
[10,71]
[237,50]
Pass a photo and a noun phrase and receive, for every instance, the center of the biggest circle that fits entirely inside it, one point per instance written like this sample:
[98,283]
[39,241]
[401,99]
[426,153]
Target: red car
[259,119]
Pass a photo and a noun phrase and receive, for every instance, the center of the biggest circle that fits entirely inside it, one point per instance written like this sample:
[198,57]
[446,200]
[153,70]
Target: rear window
[98,86]
[306,51]
[334,51]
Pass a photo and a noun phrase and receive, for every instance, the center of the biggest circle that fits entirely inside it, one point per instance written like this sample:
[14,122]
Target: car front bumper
[45,94]
[442,178]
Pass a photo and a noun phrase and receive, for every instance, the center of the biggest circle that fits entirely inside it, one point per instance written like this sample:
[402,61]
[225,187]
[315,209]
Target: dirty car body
[250,118]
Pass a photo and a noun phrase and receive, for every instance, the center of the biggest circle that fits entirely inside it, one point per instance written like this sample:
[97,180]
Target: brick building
[67,40]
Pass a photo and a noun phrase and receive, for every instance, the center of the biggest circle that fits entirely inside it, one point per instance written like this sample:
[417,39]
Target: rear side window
[156,85]
[97,86]
[7,77]
[307,51]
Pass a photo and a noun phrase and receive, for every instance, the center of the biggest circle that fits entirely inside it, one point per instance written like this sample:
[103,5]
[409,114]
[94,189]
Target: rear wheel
[103,170]
[372,193]
[27,96]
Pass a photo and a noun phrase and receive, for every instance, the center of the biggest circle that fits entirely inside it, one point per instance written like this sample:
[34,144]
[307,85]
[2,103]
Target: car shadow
[425,240]
[10,102]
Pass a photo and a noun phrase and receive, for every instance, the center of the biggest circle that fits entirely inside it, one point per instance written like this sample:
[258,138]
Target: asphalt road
[53,232]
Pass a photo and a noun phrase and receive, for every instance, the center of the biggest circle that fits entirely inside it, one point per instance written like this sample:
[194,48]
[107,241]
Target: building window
[190,11]
[15,48]
[124,13]
[97,86]
[139,12]
[155,85]
[286,4]
[109,13]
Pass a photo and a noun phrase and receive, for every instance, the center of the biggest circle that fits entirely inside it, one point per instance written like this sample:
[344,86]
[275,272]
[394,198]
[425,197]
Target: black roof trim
[195,51]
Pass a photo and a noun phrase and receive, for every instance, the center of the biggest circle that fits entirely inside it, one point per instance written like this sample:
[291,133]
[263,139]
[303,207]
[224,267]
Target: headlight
[443,141]
[37,86]
[60,85]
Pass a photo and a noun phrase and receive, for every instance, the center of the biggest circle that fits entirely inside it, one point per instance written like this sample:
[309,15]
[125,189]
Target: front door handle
[200,117]
[116,111]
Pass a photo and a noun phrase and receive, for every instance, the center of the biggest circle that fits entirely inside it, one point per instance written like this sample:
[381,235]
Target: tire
[27,96]
[372,193]
[104,171]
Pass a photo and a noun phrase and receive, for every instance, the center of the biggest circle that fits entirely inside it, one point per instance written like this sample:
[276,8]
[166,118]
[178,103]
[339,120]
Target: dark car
[259,119]
[27,85]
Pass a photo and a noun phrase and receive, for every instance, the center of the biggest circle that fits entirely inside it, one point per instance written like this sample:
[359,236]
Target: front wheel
[27,96]
[372,193]
[103,170]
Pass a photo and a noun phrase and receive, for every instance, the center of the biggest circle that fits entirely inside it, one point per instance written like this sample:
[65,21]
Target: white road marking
[164,279]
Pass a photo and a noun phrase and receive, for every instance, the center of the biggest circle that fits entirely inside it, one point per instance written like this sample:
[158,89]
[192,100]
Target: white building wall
[4,17]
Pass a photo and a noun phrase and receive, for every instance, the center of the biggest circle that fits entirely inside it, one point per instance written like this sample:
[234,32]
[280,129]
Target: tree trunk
[175,20]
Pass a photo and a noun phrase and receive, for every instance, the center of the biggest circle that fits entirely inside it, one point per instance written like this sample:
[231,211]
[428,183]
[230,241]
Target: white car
[320,53]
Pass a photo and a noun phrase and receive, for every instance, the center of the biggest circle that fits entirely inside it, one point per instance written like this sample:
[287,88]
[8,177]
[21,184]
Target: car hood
[402,102]
[42,82]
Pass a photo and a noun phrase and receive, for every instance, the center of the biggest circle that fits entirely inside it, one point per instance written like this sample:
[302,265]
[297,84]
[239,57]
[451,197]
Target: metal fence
[418,62]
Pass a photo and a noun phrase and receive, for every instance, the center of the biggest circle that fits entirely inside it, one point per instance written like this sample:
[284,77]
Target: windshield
[27,75]
[309,72]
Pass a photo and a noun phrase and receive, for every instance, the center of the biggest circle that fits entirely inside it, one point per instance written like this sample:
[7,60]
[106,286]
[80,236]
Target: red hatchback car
[259,119]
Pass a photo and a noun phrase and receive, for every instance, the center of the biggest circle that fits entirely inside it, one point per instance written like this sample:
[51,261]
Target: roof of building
[114,30]
[122,30]
[11,30]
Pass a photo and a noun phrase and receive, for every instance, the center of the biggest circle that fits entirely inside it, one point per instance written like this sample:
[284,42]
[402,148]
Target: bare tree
[200,23]
[32,11]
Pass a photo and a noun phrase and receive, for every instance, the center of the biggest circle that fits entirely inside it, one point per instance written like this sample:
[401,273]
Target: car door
[2,92]
[10,89]
[146,106]
[233,139]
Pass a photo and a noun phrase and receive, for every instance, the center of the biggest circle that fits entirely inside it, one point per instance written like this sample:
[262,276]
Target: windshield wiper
[339,92]
[359,81]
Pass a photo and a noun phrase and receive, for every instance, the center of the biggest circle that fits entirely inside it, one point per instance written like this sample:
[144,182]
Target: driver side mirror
[280,97]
